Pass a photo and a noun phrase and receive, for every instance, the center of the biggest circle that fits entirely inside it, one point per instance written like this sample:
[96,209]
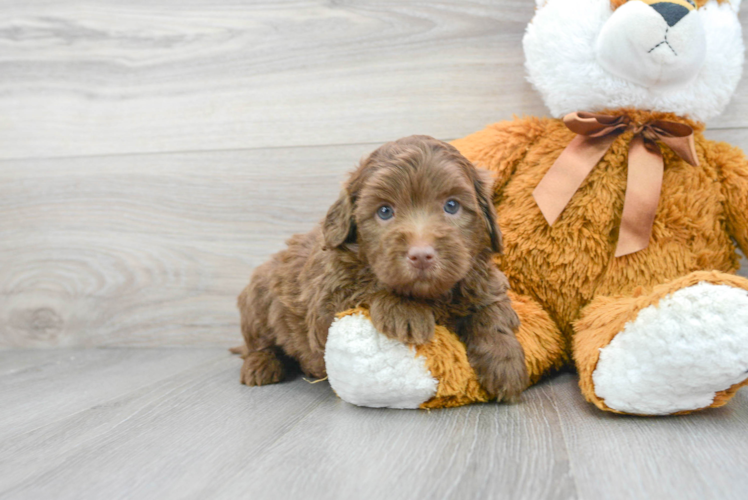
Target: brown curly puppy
[411,237]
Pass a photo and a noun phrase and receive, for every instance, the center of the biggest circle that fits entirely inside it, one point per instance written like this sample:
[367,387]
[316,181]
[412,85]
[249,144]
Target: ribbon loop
[595,133]
[595,124]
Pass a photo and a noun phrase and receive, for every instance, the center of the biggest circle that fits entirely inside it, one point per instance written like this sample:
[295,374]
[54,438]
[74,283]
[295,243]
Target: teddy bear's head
[680,56]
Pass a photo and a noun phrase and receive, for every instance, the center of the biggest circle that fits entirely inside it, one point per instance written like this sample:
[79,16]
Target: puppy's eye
[452,207]
[385,212]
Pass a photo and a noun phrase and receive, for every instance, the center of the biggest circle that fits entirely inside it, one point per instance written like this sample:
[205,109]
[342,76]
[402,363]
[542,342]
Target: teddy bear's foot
[682,351]
[366,368]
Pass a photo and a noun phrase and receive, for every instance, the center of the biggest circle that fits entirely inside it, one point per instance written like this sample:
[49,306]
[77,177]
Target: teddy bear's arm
[500,147]
[733,168]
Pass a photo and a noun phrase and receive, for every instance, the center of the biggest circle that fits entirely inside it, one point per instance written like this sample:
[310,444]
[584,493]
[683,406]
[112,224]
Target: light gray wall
[153,152]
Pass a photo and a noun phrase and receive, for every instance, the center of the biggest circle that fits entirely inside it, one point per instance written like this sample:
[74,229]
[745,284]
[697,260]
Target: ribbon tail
[643,186]
[568,172]
[683,147]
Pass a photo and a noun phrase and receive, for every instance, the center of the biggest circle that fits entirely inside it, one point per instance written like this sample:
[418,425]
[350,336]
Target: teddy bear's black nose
[671,12]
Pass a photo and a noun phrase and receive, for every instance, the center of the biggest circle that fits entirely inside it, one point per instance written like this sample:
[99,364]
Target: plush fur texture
[569,271]
[591,55]
[565,265]
[540,337]
[637,44]
[447,359]
[389,243]
[366,368]
[671,348]
[644,331]
[677,355]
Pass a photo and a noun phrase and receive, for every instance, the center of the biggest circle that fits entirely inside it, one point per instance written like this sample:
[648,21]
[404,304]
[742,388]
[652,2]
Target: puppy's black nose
[421,257]
[670,12]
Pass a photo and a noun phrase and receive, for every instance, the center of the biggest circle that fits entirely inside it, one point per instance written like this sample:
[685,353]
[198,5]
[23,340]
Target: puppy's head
[419,212]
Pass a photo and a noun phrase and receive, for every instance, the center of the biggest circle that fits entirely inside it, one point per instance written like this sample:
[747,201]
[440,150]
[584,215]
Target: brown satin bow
[596,132]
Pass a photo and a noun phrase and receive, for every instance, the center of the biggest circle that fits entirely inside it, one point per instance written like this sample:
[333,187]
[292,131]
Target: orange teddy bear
[618,220]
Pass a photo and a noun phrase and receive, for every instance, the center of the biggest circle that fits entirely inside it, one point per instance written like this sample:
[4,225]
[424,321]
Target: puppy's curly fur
[411,237]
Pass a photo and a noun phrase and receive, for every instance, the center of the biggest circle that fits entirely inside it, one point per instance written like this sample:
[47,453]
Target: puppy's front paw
[503,378]
[403,320]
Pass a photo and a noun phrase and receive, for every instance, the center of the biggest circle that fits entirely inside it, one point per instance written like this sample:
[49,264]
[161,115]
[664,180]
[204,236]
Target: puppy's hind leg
[262,368]
[263,361]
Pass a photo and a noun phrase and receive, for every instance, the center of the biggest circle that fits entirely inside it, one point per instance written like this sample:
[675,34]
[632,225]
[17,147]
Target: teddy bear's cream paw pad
[366,368]
[676,355]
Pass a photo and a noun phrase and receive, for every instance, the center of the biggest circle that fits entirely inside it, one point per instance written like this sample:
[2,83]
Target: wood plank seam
[572,465]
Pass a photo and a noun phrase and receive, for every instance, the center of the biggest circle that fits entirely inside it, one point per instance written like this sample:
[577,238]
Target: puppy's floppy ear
[339,224]
[483,182]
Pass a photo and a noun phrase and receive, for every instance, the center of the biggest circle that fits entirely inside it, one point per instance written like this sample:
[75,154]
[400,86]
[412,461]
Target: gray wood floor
[175,423]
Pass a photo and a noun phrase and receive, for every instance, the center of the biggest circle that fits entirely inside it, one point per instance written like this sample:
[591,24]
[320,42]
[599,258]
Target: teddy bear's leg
[539,337]
[679,347]
[366,368]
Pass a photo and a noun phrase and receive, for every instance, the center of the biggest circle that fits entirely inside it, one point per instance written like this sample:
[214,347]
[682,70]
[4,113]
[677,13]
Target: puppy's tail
[241,350]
